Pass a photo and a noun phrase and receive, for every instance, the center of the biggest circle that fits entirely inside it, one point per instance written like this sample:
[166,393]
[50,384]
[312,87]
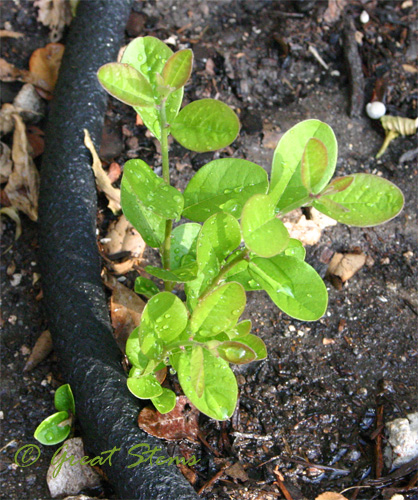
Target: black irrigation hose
[70,264]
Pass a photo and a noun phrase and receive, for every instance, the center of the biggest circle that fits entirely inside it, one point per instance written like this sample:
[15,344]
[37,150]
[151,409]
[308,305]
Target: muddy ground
[310,408]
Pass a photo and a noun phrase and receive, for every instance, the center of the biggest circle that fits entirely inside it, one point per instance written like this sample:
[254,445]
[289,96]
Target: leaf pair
[57,427]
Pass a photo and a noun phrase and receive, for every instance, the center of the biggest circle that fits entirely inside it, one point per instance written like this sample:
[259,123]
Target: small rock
[16,279]
[71,479]
[403,440]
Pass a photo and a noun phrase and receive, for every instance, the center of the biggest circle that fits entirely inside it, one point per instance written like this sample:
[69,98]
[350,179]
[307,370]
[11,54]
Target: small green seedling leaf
[368,201]
[205,125]
[293,285]
[338,184]
[151,191]
[242,329]
[180,275]
[219,396]
[146,387]
[148,55]
[240,274]
[177,69]
[54,429]
[295,249]
[219,310]
[134,353]
[197,372]
[165,402]
[223,185]
[183,243]
[236,352]
[64,399]
[164,315]
[150,225]
[314,165]
[256,344]
[126,84]
[286,186]
[263,233]
[145,286]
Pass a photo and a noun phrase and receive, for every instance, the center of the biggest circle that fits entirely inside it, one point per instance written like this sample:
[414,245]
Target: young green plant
[236,241]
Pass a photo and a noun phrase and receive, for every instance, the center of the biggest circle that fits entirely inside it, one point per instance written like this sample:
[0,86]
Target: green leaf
[64,399]
[183,243]
[126,84]
[150,225]
[236,352]
[220,392]
[314,164]
[180,275]
[223,185]
[152,191]
[195,288]
[240,274]
[165,402]
[164,315]
[49,432]
[219,310]
[150,343]
[293,285]
[286,186]
[295,249]
[145,286]
[368,200]
[242,329]
[263,233]
[197,372]
[133,351]
[148,55]
[146,387]
[205,125]
[256,344]
[178,68]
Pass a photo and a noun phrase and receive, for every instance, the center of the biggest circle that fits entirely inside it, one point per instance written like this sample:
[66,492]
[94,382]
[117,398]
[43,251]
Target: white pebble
[375,110]
[364,17]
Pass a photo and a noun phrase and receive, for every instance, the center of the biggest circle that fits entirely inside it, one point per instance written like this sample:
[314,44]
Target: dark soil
[310,408]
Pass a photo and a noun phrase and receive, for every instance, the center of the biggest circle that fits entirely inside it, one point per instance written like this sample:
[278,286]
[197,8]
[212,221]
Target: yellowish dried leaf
[13,214]
[6,163]
[55,14]
[330,495]
[22,188]
[10,34]
[9,73]
[44,64]
[102,180]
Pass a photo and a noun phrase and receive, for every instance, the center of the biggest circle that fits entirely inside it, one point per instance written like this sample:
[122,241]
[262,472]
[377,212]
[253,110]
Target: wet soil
[309,410]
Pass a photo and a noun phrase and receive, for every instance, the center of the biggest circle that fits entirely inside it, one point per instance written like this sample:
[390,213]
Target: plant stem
[165,250]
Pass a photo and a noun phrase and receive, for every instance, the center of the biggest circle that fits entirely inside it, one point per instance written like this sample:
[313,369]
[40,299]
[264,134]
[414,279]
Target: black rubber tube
[74,299]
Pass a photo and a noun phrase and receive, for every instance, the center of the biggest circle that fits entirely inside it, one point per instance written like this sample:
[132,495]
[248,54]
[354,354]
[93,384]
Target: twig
[217,476]
[315,53]
[280,483]
[246,435]
[378,445]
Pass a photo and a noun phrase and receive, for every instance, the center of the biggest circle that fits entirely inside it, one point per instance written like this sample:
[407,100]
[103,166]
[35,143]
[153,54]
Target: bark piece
[41,350]
[354,68]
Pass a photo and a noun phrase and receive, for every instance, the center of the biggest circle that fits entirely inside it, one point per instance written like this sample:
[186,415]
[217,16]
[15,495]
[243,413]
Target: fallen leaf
[102,180]
[9,73]
[36,139]
[44,64]
[114,172]
[10,34]
[236,471]
[409,68]
[29,104]
[308,231]
[55,14]
[180,423]
[123,238]
[22,188]
[13,214]
[41,350]
[6,163]
[6,118]
[334,10]
[330,495]
[344,266]
[125,310]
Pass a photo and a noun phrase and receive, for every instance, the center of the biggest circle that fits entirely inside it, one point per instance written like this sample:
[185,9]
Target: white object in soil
[69,479]
[375,110]
[403,440]
[364,17]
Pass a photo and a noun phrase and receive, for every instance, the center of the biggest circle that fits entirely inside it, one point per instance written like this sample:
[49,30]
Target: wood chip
[102,180]
[344,266]
[330,495]
[40,351]
[10,34]
[180,423]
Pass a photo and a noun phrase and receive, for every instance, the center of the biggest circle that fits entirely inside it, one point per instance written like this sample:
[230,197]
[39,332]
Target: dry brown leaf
[6,163]
[409,68]
[9,73]
[55,14]
[10,34]
[180,423]
[36,140]
[29,104]
[330,495]
[13,214]
[343,266]
[102,180]
[334,10]
[40,351]
[308,231]
[123,238]
[44,64]
[22,188]
[236,471]
[114,172]
[125,310]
